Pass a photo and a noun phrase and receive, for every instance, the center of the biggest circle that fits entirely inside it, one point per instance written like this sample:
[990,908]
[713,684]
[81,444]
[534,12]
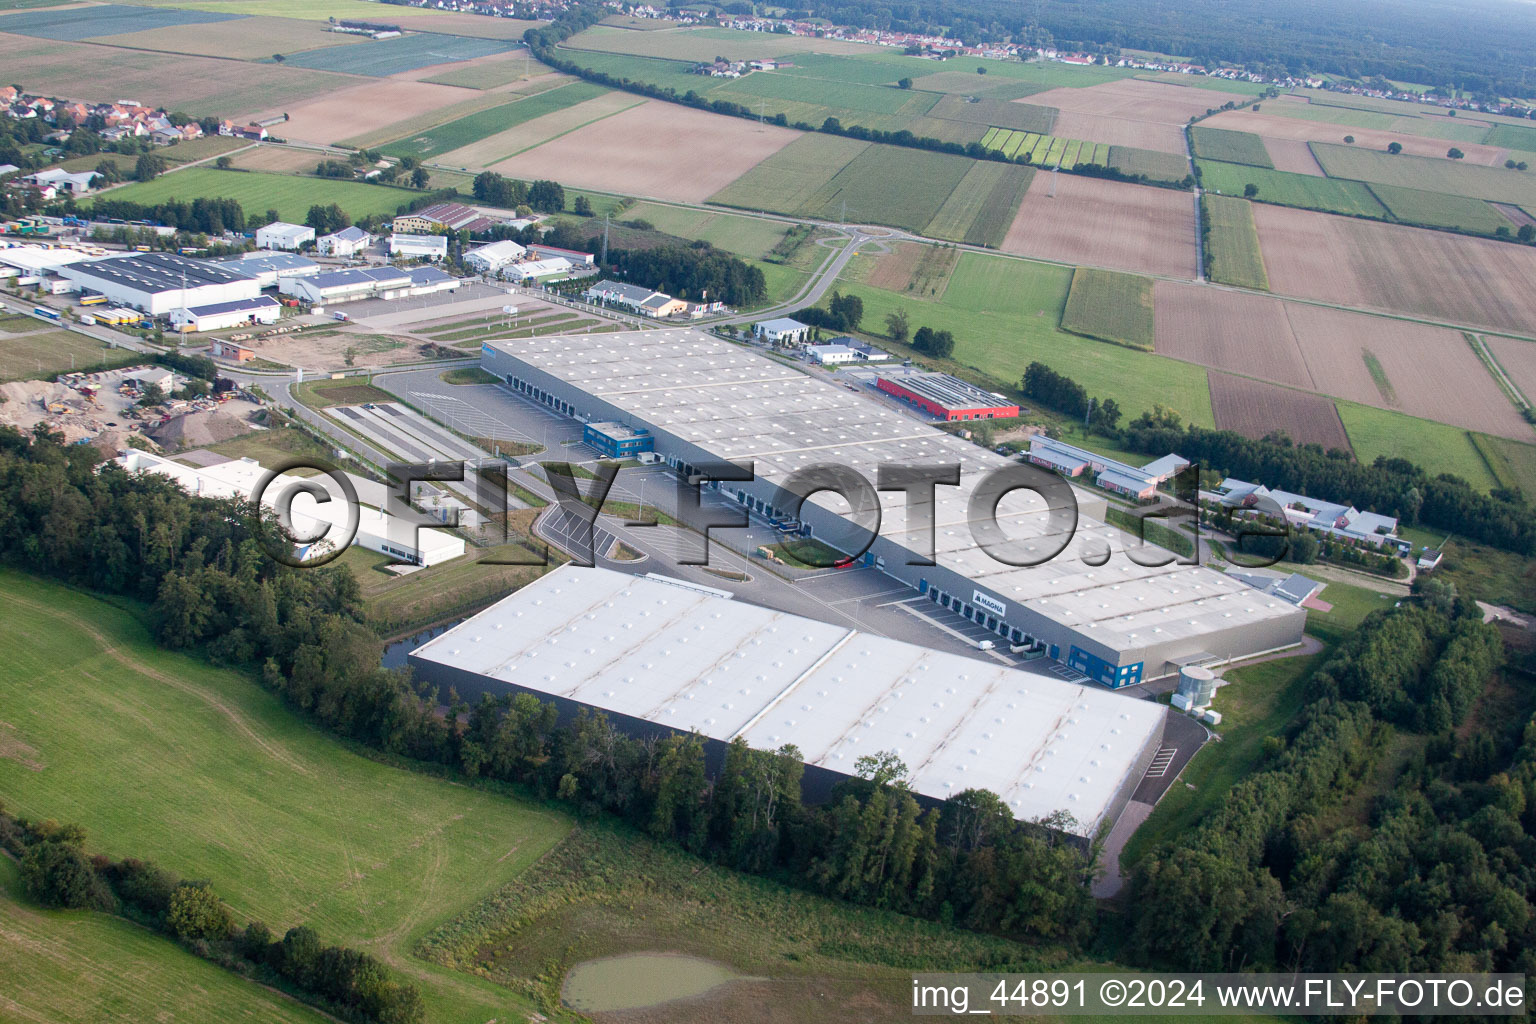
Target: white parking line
[1160,763]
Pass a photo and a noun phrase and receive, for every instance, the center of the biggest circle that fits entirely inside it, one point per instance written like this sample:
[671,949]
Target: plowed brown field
[1400,269]
[1093,222]
[1256,409]
[1275,126]
[1292,155]
[1237,331]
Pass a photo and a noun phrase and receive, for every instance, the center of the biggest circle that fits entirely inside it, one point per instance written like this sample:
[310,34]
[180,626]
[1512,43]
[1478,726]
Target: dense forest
[1487,46]
[1436,872]
[199,564]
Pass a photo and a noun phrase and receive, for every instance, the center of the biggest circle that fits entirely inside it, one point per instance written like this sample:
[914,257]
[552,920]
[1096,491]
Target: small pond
[396,650]
[640,980]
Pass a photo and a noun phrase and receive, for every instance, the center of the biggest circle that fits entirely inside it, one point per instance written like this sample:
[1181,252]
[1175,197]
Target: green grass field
[1286,188]
[1005,313]
[752,237]
[160,756]
[1437,210]
[1110,306]
[1511,136]
[290,195]
[981,208]
[1231,147]
[784,181]
[84,966]
[1437,447]
[1431,174]
[1233,243]
[487,76]
[50,353]
[482,124]
[1512,463]
[1346,117]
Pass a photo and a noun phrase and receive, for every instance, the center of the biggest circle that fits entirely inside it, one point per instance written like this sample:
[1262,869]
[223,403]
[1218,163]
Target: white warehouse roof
[691,659]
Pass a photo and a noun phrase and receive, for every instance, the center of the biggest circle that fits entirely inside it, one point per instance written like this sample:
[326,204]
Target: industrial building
[616,441]
[1090,602]
[659,655]
[634,297]
[1341,522]
[419,247]
[263,309]
[488,259]
[368,283]
[239,478]
[550,252]
[282,235]
[1139,482]
[947,398]
[158,282]
[349,241]
[266,267]
[781,331]
[536,270]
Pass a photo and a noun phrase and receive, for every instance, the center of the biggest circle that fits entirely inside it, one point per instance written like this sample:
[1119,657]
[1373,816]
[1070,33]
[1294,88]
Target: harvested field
[461,23]
[1137,100]
[1119,131]
[380,58]
[493,72]
[1431,372]
[893,270]
[277,159]
[370,106]
[636,152]
[1518,359]
[1094,222]
[1463,280]
[1275,126]
[240,38]
[1256,409]
[198,85]
[1292,155]
[1225,330]
[1516,216]
[464,132]
[522,135]
[1024,117]
[1110,306]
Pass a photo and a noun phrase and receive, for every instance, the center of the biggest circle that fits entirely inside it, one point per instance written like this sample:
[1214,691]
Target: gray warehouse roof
[157,271]
[690,659]
[741,406]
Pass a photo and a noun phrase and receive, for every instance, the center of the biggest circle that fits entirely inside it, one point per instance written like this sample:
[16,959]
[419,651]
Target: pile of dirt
[198,429]
[26,403]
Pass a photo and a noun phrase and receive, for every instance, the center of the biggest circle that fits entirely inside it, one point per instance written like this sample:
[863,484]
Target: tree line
[57,872]
[199,565]
[1436,877]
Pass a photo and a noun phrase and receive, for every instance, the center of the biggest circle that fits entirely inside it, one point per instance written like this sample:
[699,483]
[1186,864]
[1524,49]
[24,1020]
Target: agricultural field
[1239,332]
[43,354]
[1293,155]
[369,113]
[380,58]
[197,85]
[912,268]
[1232,242]
[903,188]
[785,180]
[1272,125]
[201,771]
[813,100]
[1006,313]
[482,124]
[1427,372]
[1512,463]
[1305,191]
[1518,360]
[73,24]
[1149,164]
[703,44]
[1438,448]
[1046,150]
[277,159]
[524,135]
[1130,112]
[1257,409]
[254,38]
[1230,147]
[289,195]
[69,965]
[1023,117]
[494,73]
[316,10]
[1316,256]
[635,152]
[982,205]
[1095,222]
[1111,306]
[1438,210]
[1512,137]
[751,237]
[1453,177]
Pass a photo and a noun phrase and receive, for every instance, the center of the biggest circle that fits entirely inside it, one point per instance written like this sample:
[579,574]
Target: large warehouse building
[158,282]
[662,655]
[946,397]
[1090,603]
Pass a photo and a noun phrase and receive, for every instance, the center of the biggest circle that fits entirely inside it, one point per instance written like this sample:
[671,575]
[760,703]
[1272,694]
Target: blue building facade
[616,441]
